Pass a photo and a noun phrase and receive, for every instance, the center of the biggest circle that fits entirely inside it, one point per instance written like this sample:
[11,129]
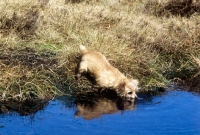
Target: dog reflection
[89,110]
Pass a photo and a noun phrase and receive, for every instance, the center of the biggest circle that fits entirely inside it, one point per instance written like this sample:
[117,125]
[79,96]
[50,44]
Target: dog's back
[94,59]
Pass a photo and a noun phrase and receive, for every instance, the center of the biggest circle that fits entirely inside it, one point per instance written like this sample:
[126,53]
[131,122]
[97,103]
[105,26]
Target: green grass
[155,42]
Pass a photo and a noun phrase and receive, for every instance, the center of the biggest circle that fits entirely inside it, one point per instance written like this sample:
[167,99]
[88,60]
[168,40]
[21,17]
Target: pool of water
[173,112]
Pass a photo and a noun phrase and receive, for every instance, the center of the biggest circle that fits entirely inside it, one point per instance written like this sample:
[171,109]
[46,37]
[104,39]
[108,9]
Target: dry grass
[27,74]
[144,39]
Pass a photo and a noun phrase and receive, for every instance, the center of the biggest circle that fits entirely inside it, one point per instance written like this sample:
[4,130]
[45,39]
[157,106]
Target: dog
[105,75]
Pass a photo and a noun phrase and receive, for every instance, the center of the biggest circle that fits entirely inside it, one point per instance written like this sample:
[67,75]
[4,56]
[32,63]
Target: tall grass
[153,41]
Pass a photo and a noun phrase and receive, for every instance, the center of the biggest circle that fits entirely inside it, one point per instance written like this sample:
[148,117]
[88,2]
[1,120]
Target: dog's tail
[83,49]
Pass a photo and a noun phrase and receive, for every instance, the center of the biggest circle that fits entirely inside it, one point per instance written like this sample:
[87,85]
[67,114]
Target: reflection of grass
[23,108]
[147,40]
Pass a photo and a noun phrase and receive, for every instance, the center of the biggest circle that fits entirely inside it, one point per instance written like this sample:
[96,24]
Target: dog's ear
[122,86]
[134,83]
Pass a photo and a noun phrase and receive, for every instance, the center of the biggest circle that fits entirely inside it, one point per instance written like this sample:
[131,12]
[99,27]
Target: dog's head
[129,88]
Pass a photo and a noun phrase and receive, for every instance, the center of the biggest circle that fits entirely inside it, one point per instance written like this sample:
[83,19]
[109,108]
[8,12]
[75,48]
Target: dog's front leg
[78,76]
[82,68]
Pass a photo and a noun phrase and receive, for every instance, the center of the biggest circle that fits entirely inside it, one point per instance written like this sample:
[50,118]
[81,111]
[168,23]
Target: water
[174,113]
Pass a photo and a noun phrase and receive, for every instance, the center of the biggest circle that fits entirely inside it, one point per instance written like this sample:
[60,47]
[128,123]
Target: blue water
[172,113]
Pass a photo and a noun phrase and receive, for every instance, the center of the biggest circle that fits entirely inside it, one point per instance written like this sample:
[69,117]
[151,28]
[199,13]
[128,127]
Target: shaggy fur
[105,75]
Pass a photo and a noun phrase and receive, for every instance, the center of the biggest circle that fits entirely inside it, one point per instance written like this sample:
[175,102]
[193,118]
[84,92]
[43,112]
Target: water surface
[174,113]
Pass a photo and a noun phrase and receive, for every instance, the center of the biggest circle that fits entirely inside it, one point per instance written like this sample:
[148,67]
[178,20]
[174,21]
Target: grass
[157,42]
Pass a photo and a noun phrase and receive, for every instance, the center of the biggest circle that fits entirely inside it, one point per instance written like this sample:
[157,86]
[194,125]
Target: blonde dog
[105,75]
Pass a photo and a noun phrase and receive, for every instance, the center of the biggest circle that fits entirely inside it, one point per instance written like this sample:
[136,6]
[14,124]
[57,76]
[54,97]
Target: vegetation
[155,41]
